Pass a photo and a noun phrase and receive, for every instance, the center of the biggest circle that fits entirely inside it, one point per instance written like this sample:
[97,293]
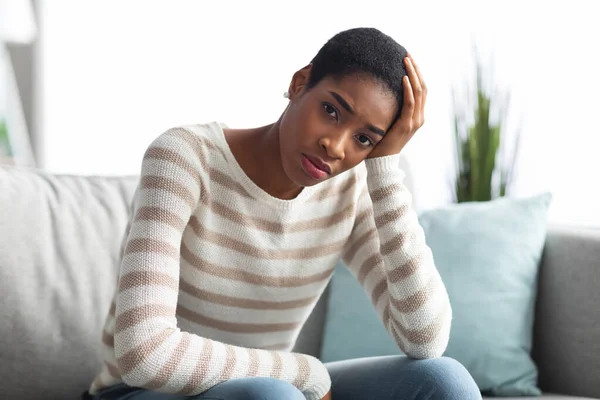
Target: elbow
[134,380]
[425,352]
[431,343]
[135,369]
[433,348]
[136,362]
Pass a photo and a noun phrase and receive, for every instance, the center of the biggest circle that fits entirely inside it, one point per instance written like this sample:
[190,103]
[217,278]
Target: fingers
[420,75]
[408,108]
[419,90]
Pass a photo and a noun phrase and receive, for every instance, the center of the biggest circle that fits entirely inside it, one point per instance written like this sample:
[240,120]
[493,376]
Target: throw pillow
[488,255]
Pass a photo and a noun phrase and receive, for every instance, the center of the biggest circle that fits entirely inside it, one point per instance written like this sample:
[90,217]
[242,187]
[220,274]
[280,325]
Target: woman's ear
[299,82]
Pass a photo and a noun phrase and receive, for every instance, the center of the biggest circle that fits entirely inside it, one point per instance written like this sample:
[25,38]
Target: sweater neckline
[252,188]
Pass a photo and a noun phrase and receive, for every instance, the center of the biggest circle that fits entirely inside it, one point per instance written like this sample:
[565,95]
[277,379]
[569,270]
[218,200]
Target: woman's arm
[151,351]
[387,250]
[388,255]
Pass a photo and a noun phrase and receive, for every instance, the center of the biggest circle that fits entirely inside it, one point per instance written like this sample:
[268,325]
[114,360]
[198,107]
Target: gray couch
[59,240]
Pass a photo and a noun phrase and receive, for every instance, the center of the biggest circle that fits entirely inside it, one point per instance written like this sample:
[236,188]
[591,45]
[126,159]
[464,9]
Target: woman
[235,234]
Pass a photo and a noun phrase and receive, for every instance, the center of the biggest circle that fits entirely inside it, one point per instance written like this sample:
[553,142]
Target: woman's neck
[257,152]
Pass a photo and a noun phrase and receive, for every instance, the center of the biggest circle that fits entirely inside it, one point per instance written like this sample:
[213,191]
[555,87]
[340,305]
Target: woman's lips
[312,170]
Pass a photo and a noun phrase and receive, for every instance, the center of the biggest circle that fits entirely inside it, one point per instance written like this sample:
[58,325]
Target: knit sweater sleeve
[151,351]
[388,255]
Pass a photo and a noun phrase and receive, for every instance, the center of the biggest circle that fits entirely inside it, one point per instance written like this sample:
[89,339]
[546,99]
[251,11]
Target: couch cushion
[59,242]
[567,330]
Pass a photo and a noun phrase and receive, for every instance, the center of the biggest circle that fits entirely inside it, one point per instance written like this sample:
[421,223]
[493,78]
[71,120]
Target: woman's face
[333,126]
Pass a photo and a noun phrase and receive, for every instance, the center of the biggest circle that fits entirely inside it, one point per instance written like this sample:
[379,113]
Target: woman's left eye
[329,109]
[364,140]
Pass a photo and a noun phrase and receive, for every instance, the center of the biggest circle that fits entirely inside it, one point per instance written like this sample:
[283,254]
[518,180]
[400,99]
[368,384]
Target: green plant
[5,148]
[484,166]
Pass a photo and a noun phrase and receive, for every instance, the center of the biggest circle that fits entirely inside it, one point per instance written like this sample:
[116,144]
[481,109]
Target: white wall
[117,74]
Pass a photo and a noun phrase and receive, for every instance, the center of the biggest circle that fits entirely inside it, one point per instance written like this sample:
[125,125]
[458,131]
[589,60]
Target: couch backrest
[567,326]
[59,241]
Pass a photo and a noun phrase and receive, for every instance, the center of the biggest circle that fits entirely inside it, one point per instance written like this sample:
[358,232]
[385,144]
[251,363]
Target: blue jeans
[381,378]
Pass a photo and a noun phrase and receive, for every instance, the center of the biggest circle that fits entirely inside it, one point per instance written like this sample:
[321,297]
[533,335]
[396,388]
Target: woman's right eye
[330,110]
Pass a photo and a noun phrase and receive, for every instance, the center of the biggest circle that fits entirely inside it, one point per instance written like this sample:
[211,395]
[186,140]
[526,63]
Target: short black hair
[362,51]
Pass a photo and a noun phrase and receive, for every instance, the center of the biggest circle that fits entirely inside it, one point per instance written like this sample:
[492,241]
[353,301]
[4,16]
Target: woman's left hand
[411,116]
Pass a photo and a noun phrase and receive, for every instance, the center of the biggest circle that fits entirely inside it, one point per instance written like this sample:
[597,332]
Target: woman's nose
[334,146]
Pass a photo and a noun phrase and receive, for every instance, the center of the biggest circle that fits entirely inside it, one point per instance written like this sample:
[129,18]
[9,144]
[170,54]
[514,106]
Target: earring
[286,94]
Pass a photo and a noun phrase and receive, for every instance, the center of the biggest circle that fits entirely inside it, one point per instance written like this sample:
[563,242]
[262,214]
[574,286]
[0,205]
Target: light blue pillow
[488,255]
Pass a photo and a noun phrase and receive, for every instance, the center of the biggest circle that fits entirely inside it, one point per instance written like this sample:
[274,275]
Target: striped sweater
[217,277]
